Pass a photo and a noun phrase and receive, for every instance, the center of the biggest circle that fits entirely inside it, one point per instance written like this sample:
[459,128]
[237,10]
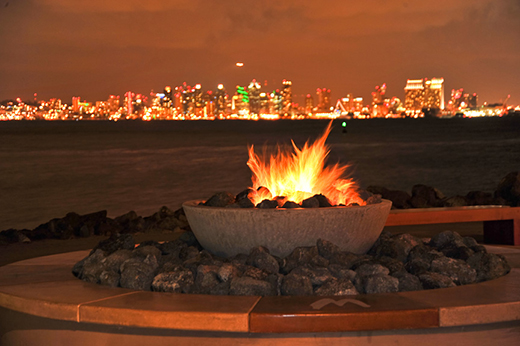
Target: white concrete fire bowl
[230,231]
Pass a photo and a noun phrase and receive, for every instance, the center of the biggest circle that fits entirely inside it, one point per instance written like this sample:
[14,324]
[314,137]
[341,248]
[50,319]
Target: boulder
[509,189]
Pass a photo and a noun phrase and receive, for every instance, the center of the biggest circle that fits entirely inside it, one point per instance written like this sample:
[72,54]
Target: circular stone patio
[42,303]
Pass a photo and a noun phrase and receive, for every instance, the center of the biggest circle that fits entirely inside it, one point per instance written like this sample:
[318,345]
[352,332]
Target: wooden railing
[501,223]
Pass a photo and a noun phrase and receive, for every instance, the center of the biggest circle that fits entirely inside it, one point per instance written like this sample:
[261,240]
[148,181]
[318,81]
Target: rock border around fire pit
[45,287]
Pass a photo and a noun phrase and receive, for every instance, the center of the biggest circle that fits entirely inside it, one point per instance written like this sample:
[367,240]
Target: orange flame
[302,174]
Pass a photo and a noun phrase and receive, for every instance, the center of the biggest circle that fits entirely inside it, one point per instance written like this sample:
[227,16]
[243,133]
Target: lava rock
[327,249]
[206,278]
[291,205]
[147,250]
[323,201]
[393,247]
[267,204]
[311,202]
[296,285]
[393,265]
[255,273]
[488,266]
[299,256]
[445,238]
[260,258]
[138,274]
[179,281]
[227,272]
[336,287]
[109,278]
[220,199]
[341,272]
[408,282]
[116,242]
[370,269]
[116,259]
[247,286]
[420,258]
[431,280]
[346,259]
[90,268]
[378,283]
[190,239]
[318,276]
[172,248]
[457,270]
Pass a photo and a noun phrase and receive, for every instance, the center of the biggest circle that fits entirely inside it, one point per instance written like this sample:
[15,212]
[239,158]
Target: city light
[423,98]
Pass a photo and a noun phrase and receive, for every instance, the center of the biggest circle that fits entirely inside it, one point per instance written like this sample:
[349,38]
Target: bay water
[48,169]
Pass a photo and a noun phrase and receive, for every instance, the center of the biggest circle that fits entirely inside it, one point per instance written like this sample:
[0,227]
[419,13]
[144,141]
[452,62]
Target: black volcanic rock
[247,286]
[296,285]
[432,280]
[220,199]
[336,287]
[311,202]
[509,189]
[314,270]
[116,242]
[267,204]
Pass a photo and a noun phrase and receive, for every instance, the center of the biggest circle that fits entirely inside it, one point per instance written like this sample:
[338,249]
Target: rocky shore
[396,263]
[74,225]
[422,196]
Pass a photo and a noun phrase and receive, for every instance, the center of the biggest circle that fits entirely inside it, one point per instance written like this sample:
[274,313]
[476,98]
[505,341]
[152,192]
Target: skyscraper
[286,97]
[323,99]
[253,91]
[414,95]
[434,93]
[424,93]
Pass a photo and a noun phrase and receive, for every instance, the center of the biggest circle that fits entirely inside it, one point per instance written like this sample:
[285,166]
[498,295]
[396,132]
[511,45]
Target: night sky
[94,48]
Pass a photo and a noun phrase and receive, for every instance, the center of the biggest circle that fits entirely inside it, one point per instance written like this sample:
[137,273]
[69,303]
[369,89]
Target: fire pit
[229,231]
[298,200]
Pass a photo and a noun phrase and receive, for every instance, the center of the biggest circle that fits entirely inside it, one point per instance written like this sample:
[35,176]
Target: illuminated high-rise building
[323,95]
[113,103]
[167,100]
[424,93]
[220,100]
[309,104]
[472,100]
[253,91]
[129,103]
[434,93]
[414,95]
[75,104]
[286,97]
[378,106]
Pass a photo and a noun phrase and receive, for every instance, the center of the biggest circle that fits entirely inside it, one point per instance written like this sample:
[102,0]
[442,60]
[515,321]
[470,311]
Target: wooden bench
[501,223]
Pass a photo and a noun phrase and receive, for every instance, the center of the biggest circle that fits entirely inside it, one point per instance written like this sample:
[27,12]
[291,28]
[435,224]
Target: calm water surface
[48,169]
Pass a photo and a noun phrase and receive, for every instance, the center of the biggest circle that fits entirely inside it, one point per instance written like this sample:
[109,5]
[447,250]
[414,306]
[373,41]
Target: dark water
[50,168]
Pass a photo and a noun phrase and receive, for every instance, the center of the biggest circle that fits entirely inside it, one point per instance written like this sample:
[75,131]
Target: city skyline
[93,49]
